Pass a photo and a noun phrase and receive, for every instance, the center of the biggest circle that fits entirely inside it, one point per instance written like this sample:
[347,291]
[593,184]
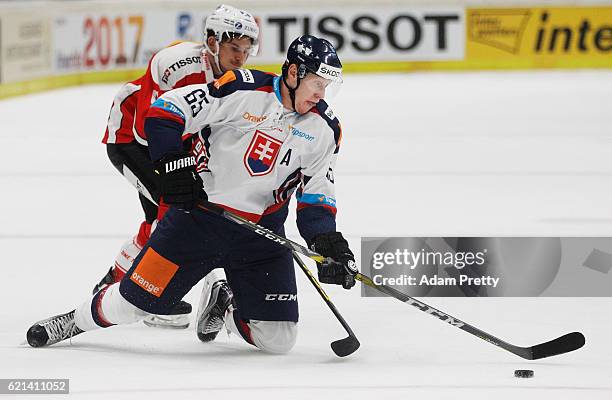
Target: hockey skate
[52,330]
[178,319]
[216,298]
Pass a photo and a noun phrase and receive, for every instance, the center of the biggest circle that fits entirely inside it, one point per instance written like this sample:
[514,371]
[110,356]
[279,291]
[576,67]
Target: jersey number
[195,99]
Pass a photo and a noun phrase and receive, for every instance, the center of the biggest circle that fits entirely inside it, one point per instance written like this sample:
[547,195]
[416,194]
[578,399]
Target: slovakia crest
[261,155]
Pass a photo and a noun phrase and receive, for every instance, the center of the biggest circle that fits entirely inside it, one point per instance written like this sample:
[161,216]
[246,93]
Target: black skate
[108,280]
[215,300]
[52,330]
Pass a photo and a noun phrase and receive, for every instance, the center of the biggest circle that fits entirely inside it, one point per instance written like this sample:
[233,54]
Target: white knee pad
[273,336]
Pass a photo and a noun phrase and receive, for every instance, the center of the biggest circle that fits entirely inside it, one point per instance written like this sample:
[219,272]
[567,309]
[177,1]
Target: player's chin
[229,67]
[305,107]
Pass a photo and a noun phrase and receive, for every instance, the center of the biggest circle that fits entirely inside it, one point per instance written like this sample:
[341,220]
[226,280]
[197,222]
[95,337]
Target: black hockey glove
[179,183]
[340,271]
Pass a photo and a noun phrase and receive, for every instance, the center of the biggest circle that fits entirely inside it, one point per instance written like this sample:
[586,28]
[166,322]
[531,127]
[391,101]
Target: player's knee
[274,336]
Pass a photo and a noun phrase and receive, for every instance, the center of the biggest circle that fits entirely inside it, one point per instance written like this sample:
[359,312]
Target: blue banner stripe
[310,198]
[168,106]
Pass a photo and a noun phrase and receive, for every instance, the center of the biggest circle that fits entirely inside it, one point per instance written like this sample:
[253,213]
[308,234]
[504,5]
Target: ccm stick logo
[281,297]
[435,313]
[268,234]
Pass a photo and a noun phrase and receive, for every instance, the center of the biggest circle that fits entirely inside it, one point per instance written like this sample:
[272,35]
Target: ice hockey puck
[523,373]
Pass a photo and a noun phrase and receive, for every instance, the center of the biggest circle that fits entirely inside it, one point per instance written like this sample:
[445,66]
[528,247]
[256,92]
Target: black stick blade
[564,344]
[346,346]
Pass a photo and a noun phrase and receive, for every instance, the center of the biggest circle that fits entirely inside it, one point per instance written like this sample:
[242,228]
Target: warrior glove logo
[262,153]
[181,163]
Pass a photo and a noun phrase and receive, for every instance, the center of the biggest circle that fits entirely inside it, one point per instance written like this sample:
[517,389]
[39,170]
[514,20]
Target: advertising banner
[369,34]
[26,47]
[74,45]
[100,41]
[540,37]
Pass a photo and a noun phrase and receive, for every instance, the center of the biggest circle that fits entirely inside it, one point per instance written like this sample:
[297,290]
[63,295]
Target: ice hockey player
[232,35]
[266,137]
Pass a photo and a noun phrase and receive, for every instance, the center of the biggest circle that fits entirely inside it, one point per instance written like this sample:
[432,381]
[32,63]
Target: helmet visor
[250,50]
[324,88]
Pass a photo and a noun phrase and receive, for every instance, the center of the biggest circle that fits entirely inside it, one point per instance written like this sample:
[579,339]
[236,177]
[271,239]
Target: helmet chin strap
[216,61]
[292,90]
[215,56]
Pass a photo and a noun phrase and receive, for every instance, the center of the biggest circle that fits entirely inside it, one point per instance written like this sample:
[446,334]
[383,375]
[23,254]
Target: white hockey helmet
[231,20]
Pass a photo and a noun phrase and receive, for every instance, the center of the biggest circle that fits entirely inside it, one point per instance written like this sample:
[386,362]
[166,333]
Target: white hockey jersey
[251,152]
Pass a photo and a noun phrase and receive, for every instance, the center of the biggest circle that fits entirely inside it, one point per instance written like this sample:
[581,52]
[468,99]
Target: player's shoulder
[242,80]
[323,112]
[172,63]
[177,51]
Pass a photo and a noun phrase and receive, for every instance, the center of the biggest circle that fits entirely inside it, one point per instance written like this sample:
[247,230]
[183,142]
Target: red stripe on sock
[118,273]
[101,318]
[245,331]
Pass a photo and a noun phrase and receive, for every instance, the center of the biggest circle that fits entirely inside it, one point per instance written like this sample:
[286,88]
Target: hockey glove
[341,270]
[179,183]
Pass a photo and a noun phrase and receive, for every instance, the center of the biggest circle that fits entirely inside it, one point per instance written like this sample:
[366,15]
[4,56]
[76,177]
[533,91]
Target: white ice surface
[483,154]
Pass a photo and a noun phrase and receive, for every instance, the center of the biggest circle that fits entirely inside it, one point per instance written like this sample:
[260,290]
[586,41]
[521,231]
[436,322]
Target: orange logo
[154,272]
[254,118]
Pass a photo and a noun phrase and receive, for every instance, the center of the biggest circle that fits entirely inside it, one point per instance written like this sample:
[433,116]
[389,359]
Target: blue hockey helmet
[316,55]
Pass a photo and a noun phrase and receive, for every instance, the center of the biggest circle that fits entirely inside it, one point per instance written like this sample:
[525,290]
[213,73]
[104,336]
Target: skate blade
[166,325]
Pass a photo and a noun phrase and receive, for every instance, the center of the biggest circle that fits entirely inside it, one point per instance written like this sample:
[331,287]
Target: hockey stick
[563,344]
[341,347]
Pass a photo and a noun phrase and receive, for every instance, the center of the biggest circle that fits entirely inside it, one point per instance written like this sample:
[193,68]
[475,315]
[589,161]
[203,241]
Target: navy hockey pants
[185,247]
